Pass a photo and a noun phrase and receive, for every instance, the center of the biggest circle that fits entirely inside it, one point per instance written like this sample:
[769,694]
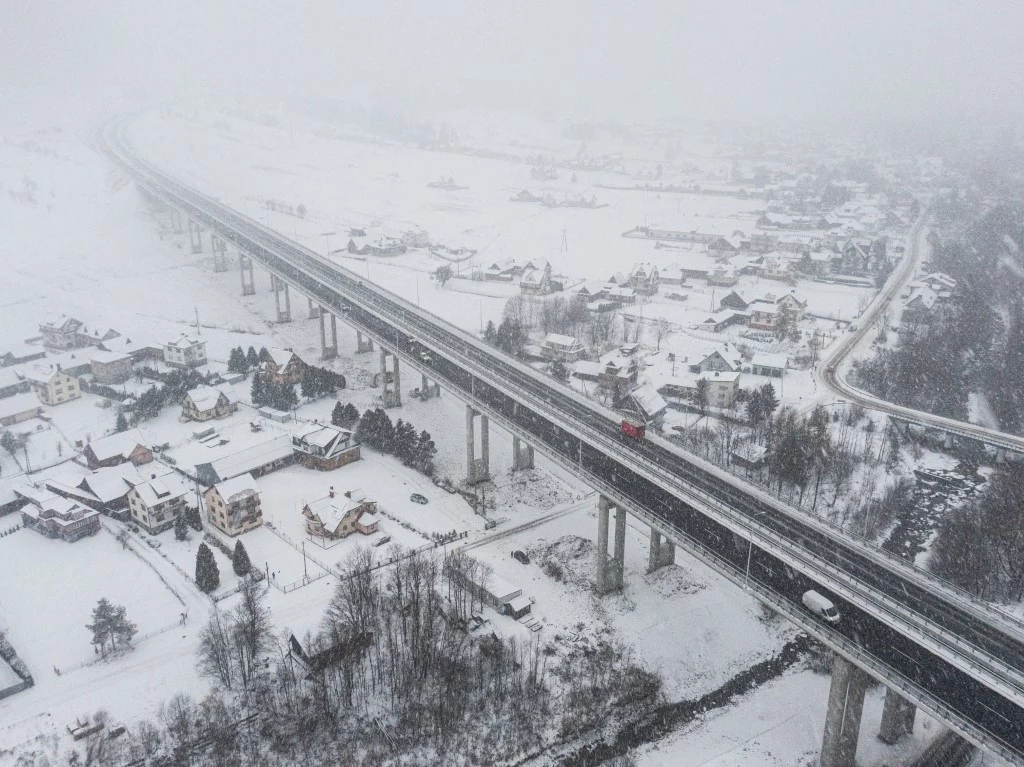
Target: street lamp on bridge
[328,236]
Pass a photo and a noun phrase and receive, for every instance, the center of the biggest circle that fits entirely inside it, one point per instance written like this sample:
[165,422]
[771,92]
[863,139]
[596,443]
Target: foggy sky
[797,61]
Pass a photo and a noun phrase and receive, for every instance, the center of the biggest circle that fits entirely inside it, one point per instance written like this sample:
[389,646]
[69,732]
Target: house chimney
[330,492]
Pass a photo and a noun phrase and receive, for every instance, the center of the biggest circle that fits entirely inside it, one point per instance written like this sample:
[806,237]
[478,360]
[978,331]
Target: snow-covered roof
[558,339]
[161,489]
[252,457]
[331,511]
[183,342]
[107,358]
[41,374]
[61,323]
[367,518]
[116,445]
[18,404]
[764,307]
[236,487]
[648,400]
[588,368]
[280,357]
[321,434]
[766,360]
[206,397]
[112,482]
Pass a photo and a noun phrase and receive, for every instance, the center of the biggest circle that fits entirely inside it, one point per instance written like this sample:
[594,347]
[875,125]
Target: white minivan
[821,606]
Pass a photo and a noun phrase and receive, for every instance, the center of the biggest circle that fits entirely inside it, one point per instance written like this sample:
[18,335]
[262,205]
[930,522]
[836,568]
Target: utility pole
[198,331]
[305,572]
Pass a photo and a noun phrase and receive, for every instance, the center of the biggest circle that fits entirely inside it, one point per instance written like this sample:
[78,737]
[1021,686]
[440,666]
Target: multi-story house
[56,517]
[643,278]
[185,352]
[283,366]
[157,502]
[339,517]
[205,403]
[233,506]
[561,347]
[52,385]
[110,367]
[123,447]
[324,447]
[61,332]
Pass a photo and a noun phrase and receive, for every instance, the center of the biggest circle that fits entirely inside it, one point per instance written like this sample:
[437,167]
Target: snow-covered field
[88,247]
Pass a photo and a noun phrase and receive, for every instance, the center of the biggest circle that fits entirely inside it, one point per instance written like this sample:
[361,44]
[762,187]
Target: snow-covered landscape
[236,528]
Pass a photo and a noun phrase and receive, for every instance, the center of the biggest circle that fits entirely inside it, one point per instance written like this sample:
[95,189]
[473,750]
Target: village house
[204,403]
[61,332]
[621,296]
[257,459]
[11,383]
[722,276]
[20,354]
[283,366]
[123,447]
[561,347]
[721,357]
[536,281]
[96,336]
[644,404]
[55,517]
[104,490]
[718,321]
[387,247]
[504,270]
[21,407]
[324,446]
[335,516]
[233,506]
[721,387]
[764,364]
[156,502]
[764,315]
[734,300]
[51,384]
[415,238]
[110,367]
[643,278]
[185,352]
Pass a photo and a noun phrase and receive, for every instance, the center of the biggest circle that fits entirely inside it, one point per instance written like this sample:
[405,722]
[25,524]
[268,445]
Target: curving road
[954,656]
[828,371]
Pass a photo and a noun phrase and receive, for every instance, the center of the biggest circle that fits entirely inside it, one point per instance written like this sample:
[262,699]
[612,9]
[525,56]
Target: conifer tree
[122,423]
[240,560]
[207,572]
[180,528]
[338,415]
[252,358]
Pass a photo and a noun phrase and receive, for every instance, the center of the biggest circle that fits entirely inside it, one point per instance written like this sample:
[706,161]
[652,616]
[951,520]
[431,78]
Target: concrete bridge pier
[522,455]
[195,236]
[842,720]
[176,226]
[328,351]
[610,570]
[1000,455]
[663,552]
[428,390]
[363,343]
[947,441]
[279,286]
[248,278]
[314,309]
[391,392]
[477,469]
[897,717]
[220,253]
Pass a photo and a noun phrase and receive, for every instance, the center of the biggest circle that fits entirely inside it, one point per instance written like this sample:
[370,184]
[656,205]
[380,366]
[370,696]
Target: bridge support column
[842,720]
[663,552]
[314,309]
[477,469]
[391,393]
[248,278]
[897,717]
[220,253]
[1000,455]
[176,221]
[363,344]
[195,236]
[609,571]
[947,441]
[428,390]
[280,286]
[328,351]
[522,455]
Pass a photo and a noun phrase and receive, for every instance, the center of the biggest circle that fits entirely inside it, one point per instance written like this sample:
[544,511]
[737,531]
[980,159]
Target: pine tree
[180,528]
[351,416]
[258,391]
[338,415]
[490,333]
[236,361]
[386,432]
[240,560]
[367,432]
[122,423]
[310,384]
[264,354]
[559,371]
[102,624]
[425,452]
[207,572]
[405,441]
[193,519]
[285,397]
[252,358]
